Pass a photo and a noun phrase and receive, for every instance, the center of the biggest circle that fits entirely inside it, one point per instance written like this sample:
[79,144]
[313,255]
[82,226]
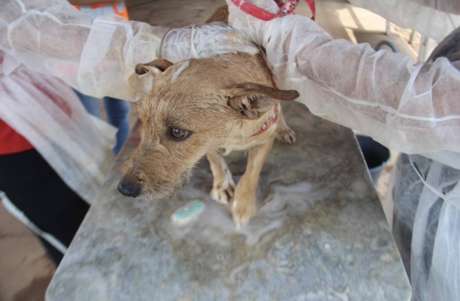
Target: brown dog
[202,107]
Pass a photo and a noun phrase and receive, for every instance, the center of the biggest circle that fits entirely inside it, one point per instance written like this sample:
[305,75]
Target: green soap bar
[188,212]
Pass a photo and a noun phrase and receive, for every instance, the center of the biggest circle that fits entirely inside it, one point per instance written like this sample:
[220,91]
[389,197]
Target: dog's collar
[269,122]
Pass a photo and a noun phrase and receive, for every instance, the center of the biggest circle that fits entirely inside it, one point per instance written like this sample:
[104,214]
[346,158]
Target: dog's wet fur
[198,108]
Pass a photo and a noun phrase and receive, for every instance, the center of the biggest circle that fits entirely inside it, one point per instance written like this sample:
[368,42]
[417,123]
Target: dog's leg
[244,202]
[284,133]
[223,187]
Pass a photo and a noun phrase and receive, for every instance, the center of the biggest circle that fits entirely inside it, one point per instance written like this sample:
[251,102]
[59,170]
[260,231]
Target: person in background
[53,209]
[33,191]
[117,110]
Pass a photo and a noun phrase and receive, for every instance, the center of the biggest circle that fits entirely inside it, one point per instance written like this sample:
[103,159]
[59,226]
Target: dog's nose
[129,187]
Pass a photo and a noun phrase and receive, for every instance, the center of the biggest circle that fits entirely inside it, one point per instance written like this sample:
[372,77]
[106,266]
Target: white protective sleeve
[433,18]
[383,95]
[94,54]
[378,93]
[97,55]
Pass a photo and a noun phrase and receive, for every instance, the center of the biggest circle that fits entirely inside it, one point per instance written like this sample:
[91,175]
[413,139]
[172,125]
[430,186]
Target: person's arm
[378,93]
[98,55]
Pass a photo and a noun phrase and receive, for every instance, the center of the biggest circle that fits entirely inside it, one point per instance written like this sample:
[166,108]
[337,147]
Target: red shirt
[11,142]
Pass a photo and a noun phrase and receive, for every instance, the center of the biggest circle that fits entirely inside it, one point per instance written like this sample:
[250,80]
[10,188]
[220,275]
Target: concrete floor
[25,269]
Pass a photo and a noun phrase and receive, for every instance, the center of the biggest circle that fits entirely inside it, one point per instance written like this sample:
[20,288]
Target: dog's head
[193,107]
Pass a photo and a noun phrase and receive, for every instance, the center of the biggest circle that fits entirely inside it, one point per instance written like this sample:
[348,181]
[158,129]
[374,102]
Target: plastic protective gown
[411,109]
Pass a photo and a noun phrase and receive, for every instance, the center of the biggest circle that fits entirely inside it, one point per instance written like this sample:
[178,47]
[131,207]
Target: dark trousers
[117,114]
[35,189]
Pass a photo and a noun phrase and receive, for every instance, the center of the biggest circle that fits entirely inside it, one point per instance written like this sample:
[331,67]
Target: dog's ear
[144,78]
[252,100]
[155,67]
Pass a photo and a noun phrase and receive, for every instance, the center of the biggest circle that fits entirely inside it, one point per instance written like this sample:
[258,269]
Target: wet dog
[206,107]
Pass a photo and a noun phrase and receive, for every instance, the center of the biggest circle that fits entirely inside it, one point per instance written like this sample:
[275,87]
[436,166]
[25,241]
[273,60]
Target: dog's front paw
[286,135]
[223,192]
[243,210]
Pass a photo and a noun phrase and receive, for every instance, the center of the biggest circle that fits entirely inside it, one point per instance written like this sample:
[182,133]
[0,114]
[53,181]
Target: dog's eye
[179,134]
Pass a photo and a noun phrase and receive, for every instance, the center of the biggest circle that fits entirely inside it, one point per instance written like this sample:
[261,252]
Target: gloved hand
[201,41]
[378,93]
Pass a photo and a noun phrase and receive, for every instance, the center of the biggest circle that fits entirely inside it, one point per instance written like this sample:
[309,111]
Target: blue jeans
[117,114]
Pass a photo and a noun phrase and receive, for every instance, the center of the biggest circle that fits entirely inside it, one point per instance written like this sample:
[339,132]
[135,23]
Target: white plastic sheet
[426,226]
[48,113]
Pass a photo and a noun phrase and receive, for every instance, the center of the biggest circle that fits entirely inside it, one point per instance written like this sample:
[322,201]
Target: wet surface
[319,234]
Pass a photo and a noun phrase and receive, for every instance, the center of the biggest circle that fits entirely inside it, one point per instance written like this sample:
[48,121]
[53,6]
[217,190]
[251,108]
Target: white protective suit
[380,94]
[408,108]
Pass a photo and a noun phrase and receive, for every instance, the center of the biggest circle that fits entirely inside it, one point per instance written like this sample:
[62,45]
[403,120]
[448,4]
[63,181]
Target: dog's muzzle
[129,186]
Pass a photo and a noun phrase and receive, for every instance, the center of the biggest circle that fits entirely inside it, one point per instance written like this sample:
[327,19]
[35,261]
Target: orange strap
[117,8]
[286,7]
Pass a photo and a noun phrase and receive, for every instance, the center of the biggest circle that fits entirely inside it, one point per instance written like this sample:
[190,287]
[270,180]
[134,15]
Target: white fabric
[427,205]
[388,97]
[97,55]
[48,113]
[203,41]
[433,18]
[381,94]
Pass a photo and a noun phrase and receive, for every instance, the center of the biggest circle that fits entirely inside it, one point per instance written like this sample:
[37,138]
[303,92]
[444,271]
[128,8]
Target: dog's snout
[129,186]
